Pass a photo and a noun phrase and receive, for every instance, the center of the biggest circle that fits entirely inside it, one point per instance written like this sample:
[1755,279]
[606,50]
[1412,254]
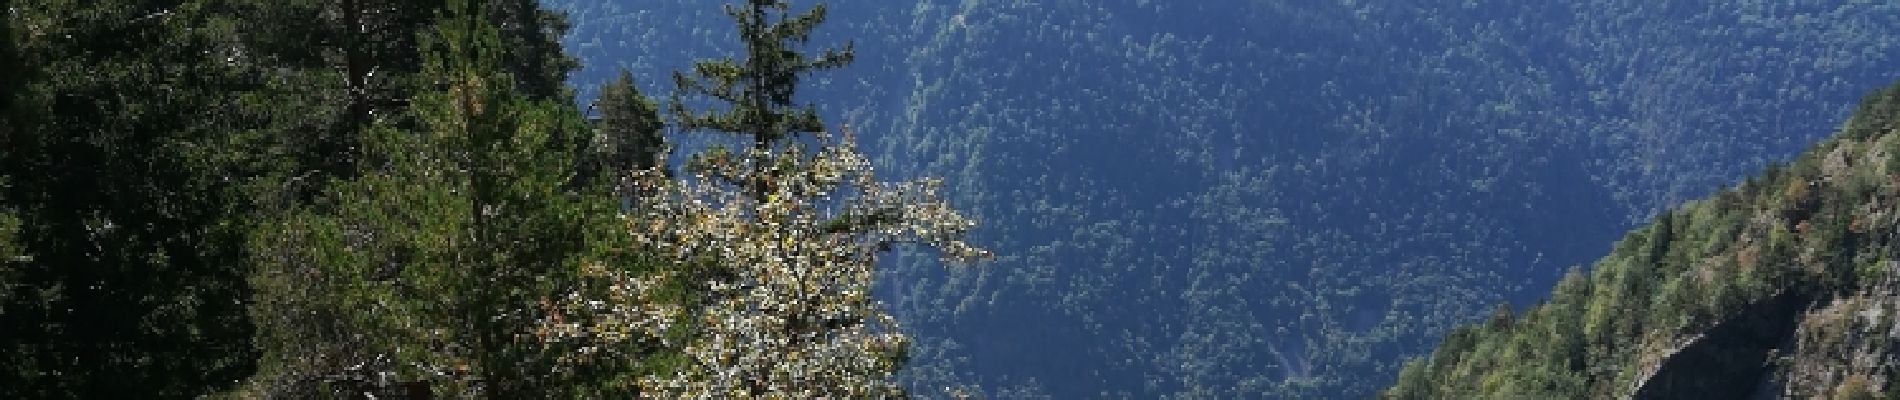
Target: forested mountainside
[774,198]
[270,199]
[1282,199]
[1782,286]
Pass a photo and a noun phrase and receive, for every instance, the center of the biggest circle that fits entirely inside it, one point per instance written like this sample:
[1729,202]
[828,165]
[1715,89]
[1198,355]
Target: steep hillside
[1278,199]
[1782,286]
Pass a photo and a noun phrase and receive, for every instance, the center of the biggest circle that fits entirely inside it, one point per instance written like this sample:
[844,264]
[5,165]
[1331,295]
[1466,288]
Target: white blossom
[780,277]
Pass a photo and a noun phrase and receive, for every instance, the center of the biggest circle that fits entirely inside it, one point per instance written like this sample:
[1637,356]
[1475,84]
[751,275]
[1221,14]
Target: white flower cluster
[778,261]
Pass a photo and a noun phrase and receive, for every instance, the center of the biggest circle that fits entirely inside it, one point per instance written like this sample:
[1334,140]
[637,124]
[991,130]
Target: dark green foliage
[9,223]
[11,66]
[129,278]
[331,70]
[534,57]
[630,136]
[428,263]
[755,96]
[155,153]
[1695,299]
[1875,114]
[758,89]
[369,195]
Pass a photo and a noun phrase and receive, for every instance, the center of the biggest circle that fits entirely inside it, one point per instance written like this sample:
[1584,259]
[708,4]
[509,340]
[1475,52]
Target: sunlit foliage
[1703,298]
[780,287]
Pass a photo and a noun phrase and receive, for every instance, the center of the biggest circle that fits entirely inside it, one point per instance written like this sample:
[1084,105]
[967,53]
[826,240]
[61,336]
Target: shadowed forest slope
[1245,198]
[1780,286]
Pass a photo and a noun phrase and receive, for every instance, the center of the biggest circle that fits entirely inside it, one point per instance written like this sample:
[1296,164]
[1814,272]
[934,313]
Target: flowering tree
[751,275]
[780,286]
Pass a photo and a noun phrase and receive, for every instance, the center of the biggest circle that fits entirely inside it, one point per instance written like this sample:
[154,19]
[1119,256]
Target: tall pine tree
[755,95]
[427,265]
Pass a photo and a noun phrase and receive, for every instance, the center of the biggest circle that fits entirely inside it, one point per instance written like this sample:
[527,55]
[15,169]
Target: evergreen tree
[333,69]
[757,91]
[532,35]
[380,195]
[10,66]
[9,223]
[758,270]
[1678,305]
[127,277]
[630,137]
[427,266]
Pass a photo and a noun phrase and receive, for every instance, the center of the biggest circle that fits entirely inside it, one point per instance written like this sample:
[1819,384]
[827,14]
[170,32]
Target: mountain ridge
[1779,279]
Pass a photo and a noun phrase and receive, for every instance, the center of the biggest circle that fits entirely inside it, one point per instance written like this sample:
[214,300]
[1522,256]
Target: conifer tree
[334,68]
[126,276]
[630,136]
[759,264]
[9,223]
[427,266]
[759,88]
[757,91]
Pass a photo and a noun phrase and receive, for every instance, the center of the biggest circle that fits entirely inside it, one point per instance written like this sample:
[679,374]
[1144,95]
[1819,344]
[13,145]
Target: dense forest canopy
[1781,287]
[992,198]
